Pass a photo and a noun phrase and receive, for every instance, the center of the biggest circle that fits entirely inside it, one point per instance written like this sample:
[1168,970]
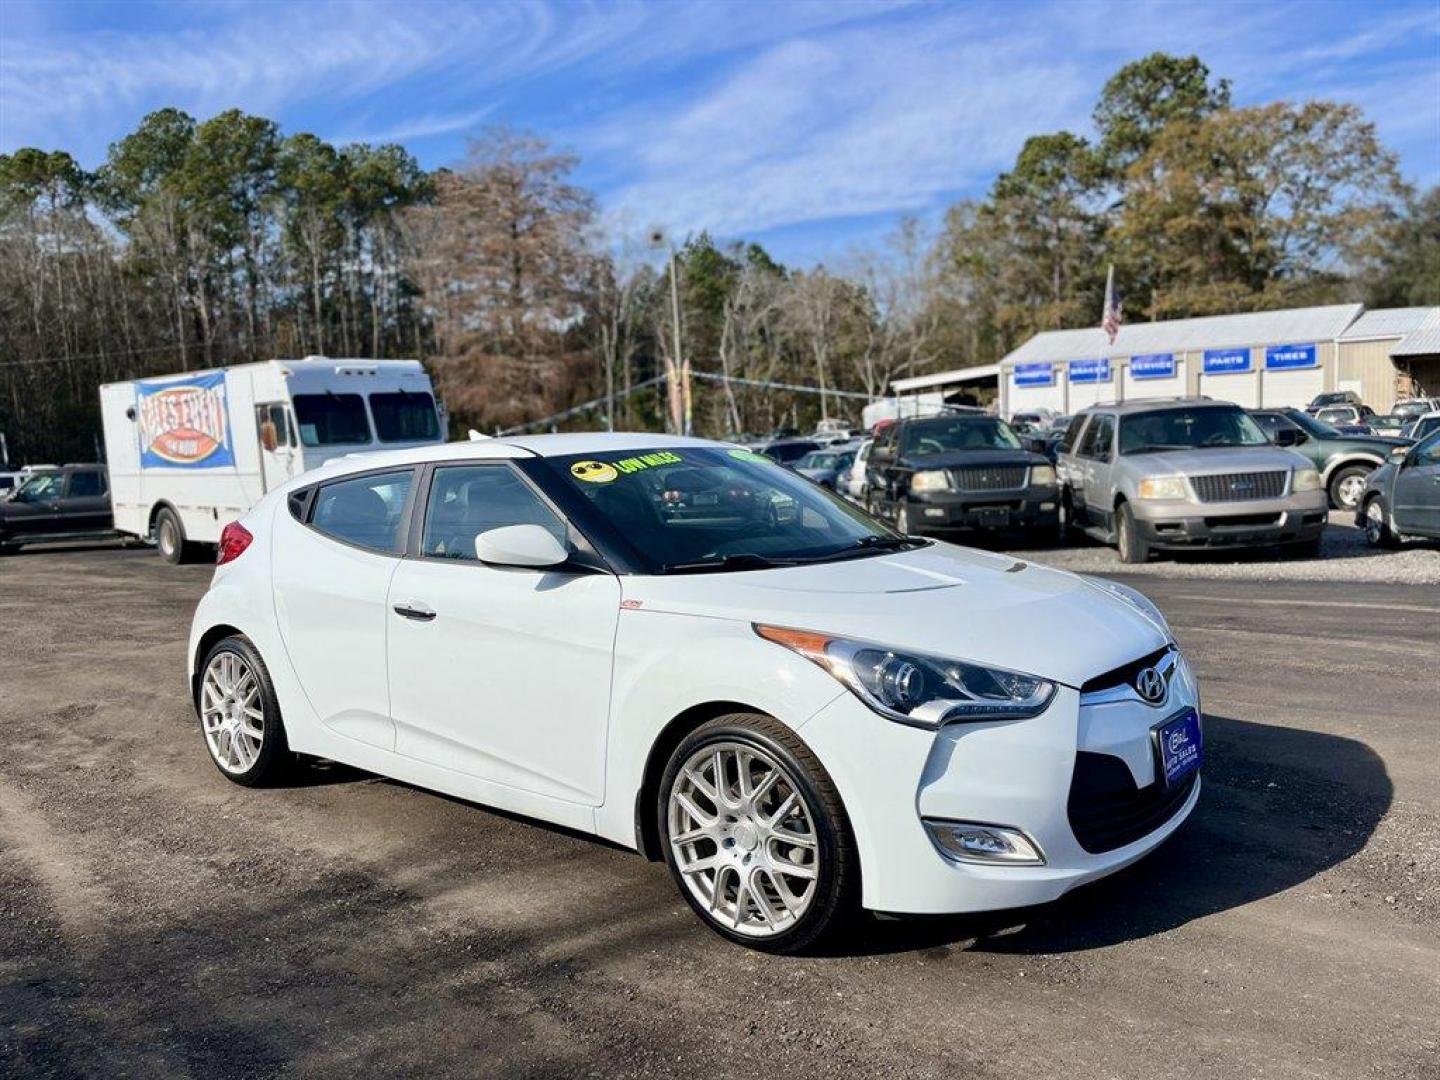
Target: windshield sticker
[602,472]
[749,455]
[593,472]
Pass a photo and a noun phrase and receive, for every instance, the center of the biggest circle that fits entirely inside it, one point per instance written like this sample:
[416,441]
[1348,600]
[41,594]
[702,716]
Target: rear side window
[368,511]
[404,416]
[87,484]
[467,500]
[331,419]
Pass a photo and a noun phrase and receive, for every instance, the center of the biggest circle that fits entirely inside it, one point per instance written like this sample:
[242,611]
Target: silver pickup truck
[1181,474]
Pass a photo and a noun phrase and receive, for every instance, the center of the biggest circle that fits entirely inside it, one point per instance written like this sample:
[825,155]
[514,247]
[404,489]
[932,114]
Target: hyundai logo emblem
[1150,685]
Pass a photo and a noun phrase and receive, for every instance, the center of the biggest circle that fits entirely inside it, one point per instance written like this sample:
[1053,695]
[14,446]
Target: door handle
[418,612]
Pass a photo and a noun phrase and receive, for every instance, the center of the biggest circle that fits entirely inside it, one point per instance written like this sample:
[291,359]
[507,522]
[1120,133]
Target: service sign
[1284,357]
[184,423]
[1226,361]
[1089,371]
[1153,366]
[1034,375]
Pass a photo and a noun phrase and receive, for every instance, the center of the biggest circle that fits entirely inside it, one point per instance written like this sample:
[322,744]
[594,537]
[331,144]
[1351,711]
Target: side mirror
[1398,454]
[530,546]
[1289,437]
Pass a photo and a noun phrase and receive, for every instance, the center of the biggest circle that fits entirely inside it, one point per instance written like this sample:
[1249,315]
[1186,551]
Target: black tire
[170,539]
[275,762]
[1307,549]
[837,882]
[1337,482]
[1377,525]
[1128,541]
[902,519]
[1069,530]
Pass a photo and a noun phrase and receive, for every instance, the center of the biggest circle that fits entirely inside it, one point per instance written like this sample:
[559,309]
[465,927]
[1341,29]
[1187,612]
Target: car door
[497,672]
[332,557]
[1417,490]
[882,457]
[34,510]
[1099,492]
[85,507]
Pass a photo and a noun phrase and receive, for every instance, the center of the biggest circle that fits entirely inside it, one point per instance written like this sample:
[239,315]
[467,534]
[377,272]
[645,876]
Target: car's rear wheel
[1347,486]
[755,835]
[1377,526]
[240,716]
[1128,541]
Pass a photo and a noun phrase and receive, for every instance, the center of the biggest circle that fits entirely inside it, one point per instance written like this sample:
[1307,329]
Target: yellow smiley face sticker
[593,472]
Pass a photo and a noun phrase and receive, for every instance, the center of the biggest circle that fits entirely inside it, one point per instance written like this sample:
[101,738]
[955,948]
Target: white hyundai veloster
[686,649]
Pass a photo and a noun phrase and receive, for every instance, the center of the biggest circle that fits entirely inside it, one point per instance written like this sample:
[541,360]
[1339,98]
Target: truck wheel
[170,537]
[1347,485]
[1128,541]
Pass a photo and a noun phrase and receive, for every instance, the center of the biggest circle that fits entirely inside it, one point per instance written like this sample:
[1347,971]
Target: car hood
[1215,459]
[952,459]
[940,599]
[1382,444]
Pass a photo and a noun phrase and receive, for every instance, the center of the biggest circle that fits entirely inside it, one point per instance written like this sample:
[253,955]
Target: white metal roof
[1423,340]
[945,378]
[1293,325]
[1393,322]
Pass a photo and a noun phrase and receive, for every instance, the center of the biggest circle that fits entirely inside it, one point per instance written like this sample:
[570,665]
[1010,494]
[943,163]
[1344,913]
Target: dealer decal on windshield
[602,472]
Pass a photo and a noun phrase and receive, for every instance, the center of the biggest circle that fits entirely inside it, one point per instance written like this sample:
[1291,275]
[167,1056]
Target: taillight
[234,539]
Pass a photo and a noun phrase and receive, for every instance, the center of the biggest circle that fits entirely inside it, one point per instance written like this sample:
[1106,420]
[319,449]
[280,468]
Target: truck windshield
[959,433]
[1187,429]
[331,419]
[404,416]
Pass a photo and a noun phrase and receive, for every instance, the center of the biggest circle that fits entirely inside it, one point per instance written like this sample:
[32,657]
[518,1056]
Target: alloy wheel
[1374,522]
[232,712]
[743,839]
[1347,492]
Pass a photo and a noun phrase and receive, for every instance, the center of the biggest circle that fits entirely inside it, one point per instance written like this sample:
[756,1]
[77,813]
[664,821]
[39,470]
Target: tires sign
[1287,357]
[184,423]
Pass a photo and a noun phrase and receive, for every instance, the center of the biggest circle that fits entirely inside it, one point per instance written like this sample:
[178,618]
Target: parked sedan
[826,467]
[1344,460]
[61,503]
[801,711]
[1402,498]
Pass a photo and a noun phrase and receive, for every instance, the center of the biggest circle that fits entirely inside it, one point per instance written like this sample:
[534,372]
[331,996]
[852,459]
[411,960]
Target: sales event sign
[1283,357]
[184,423]
[1153,366]
[1226,361]
[1034,375]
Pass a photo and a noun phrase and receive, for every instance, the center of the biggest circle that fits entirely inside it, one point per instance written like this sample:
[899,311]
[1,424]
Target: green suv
[1344,461]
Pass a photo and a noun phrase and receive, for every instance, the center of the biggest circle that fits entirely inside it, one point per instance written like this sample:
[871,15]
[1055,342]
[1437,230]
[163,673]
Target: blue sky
[808,126]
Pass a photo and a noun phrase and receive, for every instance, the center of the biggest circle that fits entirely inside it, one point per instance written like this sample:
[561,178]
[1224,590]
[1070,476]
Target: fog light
[1047,506]
[970,842]
[934,511]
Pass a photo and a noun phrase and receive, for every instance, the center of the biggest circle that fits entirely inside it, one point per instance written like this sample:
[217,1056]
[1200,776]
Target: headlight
[1136,599]
[933,480]
[1162,487]
[923,691]
[1306,480]
[1042,474]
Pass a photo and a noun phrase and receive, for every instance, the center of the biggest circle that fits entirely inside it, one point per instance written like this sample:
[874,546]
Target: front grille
[1124,675]
[988,477]
[1106,809]
[1239,487]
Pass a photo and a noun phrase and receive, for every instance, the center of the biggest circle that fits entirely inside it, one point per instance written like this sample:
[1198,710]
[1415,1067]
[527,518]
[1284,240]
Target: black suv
[66,503]
[939,473]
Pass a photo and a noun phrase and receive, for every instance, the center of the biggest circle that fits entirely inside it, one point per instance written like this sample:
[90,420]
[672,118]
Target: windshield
[817,461]
[690,509]
[1318,428]
[1186,429]
[41,487]
[958,433]
[331,419]
[404,416]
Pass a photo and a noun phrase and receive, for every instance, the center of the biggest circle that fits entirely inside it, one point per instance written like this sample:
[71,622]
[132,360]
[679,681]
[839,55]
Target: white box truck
[190,453]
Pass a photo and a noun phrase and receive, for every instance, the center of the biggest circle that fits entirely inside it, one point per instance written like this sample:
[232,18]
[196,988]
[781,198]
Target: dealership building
[1265,358]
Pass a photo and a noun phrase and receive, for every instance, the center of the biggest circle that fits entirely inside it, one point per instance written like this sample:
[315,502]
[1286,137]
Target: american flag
[1110,319]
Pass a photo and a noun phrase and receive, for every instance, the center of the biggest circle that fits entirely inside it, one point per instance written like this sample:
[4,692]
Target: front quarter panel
[667,664]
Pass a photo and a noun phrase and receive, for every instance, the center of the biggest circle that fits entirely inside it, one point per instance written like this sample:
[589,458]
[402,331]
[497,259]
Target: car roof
[515,446]
[1127,408]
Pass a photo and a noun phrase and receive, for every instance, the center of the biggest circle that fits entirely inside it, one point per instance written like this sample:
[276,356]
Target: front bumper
[1176,526]
[1016,774]
[1035,507]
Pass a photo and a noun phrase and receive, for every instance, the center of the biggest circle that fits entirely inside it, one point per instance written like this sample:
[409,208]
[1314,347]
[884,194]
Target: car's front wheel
[1347,485]
[240,715]
[1377,529]
[755,834]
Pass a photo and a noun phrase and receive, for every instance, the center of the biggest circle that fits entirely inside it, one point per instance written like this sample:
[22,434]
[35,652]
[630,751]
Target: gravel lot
[157,920]
[1347,557]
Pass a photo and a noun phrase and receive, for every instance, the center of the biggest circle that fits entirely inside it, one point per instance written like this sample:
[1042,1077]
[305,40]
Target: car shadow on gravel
[1278,806]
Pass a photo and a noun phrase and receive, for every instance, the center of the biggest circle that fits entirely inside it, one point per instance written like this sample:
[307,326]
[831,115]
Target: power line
[40,360]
